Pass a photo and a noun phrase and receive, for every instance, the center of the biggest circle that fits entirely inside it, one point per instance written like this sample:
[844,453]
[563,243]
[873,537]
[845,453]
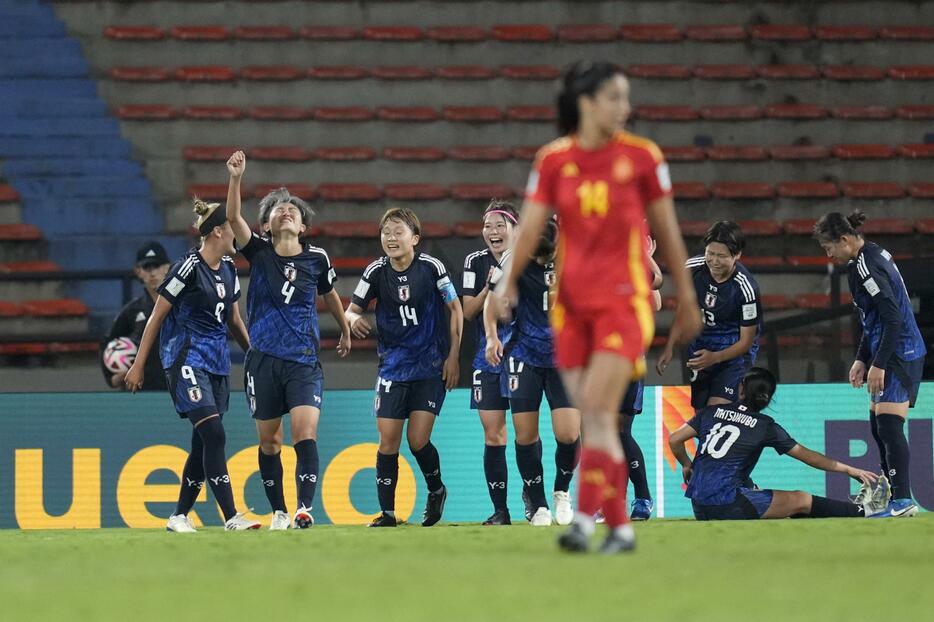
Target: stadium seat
[529,72]
[799,152]
[888,226]
[742,190]
[799,226]
[918,112]
[24,349]
[586,33]
[724,72]
[921,190]
[690,191]
[716,33]
[912,72]
[863,152]
[355,229]
[457,34]
[392,33]
[465,72]
[403,72]
[213,191]
[212,113]
[869,113]
[134,33]
[139,74]
[472,114]
[665,113]
[407,113]
[436,230]
[808,190]
[795,111]
[350,263]
[479,153]
[328,33]
[917,151]
[303,191]
[344,113]
[280,154]
[739,154]
[730,113]
[20,232]
[776,302]
[144,112]
[788,72]
[872,190]
[925,226]
[11,309]
[659,71]
[524,152]
[845,33]
[264,33]
[531,113]
[852,73]
[344,154]
[208,153]
[907,33]
[684,154]
[350,192]
[337,72]
[8,194]
[64,307]
[206,73]
[651,33]
[279,113]
[271,73]
[199,33]
[819,301]
[415,192]
[808,260]
[760,228]
[756,261]
[414,154]
[694,228]
[473,229]
[481,192]
[523,33]
[780,32]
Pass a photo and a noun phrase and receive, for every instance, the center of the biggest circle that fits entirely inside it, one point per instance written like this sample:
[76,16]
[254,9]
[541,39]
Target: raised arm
[236,165]
[333,301]
[825,463]
[134,377]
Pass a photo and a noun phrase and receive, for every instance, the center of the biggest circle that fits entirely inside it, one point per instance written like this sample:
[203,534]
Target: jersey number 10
[722,435]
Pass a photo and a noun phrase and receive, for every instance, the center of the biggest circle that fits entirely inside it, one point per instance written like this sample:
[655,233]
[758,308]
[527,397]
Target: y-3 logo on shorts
[317,399]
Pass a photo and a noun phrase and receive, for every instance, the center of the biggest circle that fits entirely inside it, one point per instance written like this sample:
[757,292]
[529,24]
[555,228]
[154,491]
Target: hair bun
[856,219]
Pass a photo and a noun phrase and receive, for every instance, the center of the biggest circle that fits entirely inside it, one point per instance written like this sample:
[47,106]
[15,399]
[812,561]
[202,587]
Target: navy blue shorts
[524,385]
[902,382]
[485,393]
[398,399]
[749,505]
[275,386]
[632,401]
[722,380]
[197,393]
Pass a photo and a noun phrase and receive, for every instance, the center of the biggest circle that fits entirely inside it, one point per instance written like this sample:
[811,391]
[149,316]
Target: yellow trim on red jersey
[643,143]
[640,283]
[556,146]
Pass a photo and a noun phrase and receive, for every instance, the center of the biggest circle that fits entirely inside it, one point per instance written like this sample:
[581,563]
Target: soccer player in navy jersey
[732,438]
[891,348]
[499,221]
[196,304]
[732,315]
[418,355]
[282,372]
[528,370]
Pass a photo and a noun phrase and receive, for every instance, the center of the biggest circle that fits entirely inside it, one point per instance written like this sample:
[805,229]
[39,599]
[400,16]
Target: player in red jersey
[603,183]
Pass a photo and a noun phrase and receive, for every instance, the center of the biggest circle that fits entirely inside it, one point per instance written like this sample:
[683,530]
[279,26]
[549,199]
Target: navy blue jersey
[532,340]
[726,307]
[194,332]
[478,268]
[889,327]
[282,302]
[731,439]
[413,337]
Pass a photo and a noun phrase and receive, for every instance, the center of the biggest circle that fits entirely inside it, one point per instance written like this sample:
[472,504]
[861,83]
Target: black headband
[217,218]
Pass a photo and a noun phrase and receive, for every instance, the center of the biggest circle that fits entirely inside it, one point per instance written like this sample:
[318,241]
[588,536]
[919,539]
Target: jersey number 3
[595,198]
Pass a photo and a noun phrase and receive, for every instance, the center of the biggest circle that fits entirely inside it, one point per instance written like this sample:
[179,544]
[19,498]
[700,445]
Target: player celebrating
[729,298]
[283,374]
[602,182]
[891,346]
[196,303]
[499,222]
[418,357]
[528,370]
[734,436]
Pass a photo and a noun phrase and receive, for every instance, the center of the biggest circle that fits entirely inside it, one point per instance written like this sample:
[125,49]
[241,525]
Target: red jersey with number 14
[600,197]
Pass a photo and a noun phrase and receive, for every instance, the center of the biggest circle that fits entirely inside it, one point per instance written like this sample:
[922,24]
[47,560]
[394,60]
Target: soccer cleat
[882,493]
[563,512]
[541,518]
[527,501]
[239,522]
[599,518]
[641,509]
[499,517]
[434,507]
[180,523]
[384,520]
[574,540]
[619,540]
[898,508]
[303,518]
[280,521]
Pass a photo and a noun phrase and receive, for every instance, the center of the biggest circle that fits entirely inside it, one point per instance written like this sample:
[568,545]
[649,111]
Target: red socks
[603,484]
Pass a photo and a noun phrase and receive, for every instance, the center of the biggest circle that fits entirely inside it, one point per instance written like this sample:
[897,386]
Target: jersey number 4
[595,198]
[719,440]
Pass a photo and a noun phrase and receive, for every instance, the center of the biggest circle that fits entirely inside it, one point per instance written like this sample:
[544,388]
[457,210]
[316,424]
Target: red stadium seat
[760,228]
[272,73]
[206,73]
[212,113]
[134,33]
[392,33]
[586,33]
[852,73]
[524,152]
[724,72]
[328,33]
[344,154]
[323,306]
[716,33]
[465,72]
[684,154]
[415,192]
[473,114]
[213,191]
[775,302]
[694,228]
[869,113]
[471,229]
[690,191]
[20,233]
[659,71]
[799,226]
[298,189]
[730,113]
[665,113]
[742,190]
[863,152]
[350,263]
[11,309]
[24,349]
[795,111]
[401,73]
[820,301]
[407,113]
[264,33]
[350,192]
[146,112]
[531,113]
[925,226]
[343,113]
[808,190]
[788,72]
[799,152]
[523,33]
[529,72]
[739,154]
[64,307]
[922,150]
[872,190]
[888,226]
[481,192]
[338,72]
[907,33]
[279,113]
[281,154]
[780,32]
[912,72]
[457,34]
[921,190]
[208,153]
[8,194]
[755,261]
[479,153]
[199,33]
[918,112]
[414,154]
[139,74]
[651,33]
[354,229]
[845,33]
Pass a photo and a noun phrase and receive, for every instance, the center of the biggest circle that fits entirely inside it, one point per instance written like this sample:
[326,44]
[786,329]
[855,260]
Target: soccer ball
[119,354]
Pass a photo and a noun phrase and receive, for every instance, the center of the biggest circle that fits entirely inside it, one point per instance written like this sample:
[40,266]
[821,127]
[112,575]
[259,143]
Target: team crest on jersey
[551,278]
[194,394]
[513,382]
[622,170]
[221,290]
[710,300]
[290,273]
[403,293]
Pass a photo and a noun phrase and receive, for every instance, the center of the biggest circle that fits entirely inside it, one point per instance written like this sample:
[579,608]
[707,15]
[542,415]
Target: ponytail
[758,388]
[833,226]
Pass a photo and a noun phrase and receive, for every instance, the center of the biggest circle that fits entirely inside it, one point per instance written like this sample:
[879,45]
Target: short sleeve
[472,282]
[750,306]
[779,440]
[365,292]
[256,245]
[328,276]
[540,187]
[695,421]
[655,181]
[178,279]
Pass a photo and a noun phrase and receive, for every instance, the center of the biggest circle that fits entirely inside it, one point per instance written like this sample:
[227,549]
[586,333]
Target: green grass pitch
[834,569]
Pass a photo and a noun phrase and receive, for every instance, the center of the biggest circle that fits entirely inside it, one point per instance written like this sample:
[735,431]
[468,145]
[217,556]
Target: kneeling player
[732,439]
[418,355]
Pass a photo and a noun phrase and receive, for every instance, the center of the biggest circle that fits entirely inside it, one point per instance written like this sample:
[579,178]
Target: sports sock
[497,474]
[430,464]
[215,464]
[822,507]
[637,473]
[897,454]
[306,471]
[387,472]
[874,428]
[529,462]
[192,476]
[614,503]
[596,477]
[566,458]
[270,469]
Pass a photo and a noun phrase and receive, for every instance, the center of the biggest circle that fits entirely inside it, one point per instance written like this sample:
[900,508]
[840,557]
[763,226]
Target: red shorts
[624,327]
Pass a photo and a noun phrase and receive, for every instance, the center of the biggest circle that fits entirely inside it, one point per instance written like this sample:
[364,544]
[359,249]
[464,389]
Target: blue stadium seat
[90,216]
[38,108]
[38,187]
[33,47]
[70,167]
[60,127]
[64,147]
[29,27]
[45,67]
[52,89]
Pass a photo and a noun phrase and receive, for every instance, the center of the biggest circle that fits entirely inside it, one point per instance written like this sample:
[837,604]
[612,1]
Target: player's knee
[270,447]
[495,436]
[212,432]
[526,437]
[801,502]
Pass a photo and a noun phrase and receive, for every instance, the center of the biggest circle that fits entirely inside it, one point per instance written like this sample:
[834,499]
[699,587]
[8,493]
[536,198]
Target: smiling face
[719,260]
[608,108]
[497,233]
[397,239]
[285,218]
